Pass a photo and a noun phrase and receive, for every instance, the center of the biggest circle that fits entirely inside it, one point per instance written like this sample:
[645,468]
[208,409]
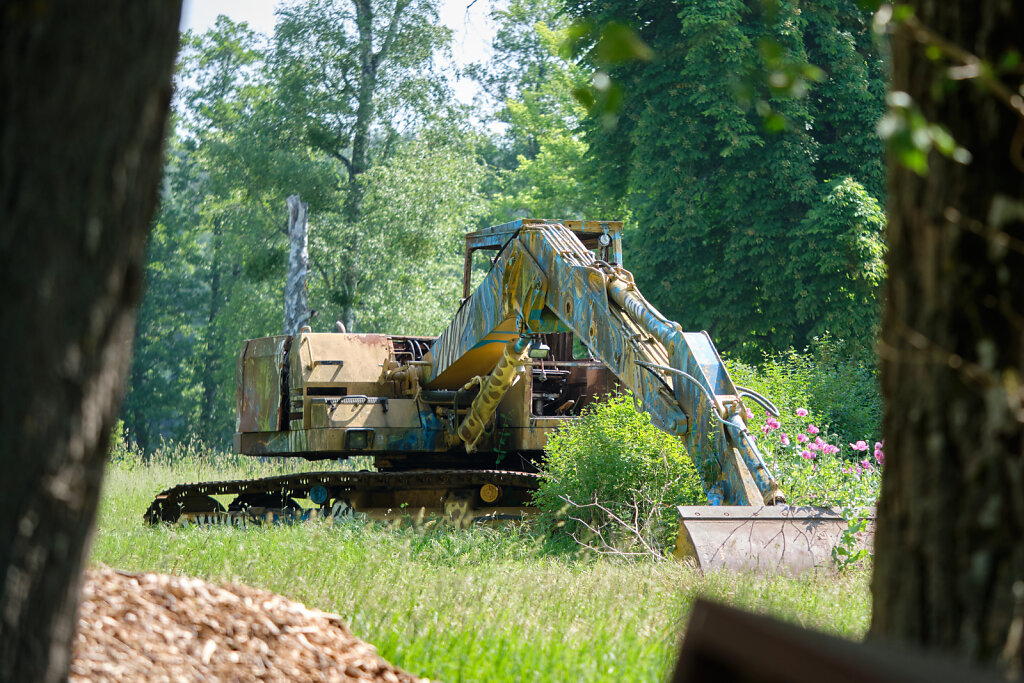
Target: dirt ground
[156,627]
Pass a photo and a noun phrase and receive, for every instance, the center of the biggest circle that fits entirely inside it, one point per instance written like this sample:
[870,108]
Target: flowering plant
[813,470]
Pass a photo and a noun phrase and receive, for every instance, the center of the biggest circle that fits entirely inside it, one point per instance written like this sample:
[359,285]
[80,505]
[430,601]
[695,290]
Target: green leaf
[902,12]
[584,96]
[620,43]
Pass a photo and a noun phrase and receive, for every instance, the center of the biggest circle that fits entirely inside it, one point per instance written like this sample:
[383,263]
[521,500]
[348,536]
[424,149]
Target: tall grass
[457,605]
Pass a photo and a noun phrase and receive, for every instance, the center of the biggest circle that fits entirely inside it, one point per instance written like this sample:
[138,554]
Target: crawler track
[374,493]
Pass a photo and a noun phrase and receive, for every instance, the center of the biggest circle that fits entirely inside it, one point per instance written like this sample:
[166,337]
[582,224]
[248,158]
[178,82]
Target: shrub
[840,390]
[123,451]
[814,468]
[611,480]
[844,390]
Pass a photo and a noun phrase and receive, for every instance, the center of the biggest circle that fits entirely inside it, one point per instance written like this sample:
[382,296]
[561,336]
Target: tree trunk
[86,88]
[949,567]
[352,210]
[296,305]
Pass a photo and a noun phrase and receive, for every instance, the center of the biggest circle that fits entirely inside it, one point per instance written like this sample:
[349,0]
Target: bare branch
[343,159]
[971,66]
[320,269]
[633,530]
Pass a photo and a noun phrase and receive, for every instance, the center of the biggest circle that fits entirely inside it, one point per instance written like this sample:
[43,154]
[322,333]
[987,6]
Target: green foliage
[332,93]
[809,474]
[522,59]
[820,448]
[841,391]
[606,46]
[816,468]
[260,121]
[838,289]
[912,137]
[611,480]
[539,163]
[720,194]
[415,212]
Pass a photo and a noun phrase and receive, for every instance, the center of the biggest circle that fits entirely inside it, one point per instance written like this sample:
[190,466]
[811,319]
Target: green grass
[460,605]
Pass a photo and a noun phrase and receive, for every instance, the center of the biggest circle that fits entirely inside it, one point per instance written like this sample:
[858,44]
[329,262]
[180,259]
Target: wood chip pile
[155,627]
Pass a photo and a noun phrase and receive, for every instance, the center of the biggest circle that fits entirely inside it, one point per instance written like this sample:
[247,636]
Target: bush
[841,391]
[611,480]
[819,449]
[814,468]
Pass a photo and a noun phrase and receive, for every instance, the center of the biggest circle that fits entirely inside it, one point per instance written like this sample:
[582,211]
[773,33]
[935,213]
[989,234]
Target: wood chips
[155,627]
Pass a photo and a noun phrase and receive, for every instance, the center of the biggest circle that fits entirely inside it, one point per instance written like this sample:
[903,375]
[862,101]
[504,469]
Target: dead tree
[296,304]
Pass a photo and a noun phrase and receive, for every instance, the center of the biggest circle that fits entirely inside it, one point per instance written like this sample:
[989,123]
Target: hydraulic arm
[545,280]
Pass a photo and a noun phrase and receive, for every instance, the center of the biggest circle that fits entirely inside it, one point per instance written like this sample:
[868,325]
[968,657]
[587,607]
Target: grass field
[460,605]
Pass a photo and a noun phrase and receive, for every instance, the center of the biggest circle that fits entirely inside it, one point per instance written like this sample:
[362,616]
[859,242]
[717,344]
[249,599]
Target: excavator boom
[545,280]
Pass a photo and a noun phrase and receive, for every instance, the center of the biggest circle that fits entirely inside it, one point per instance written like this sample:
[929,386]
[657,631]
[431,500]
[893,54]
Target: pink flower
[829,449]
[859,446]
[784,438]
[878,445]
[772,424]
[750,415]
[813,446]
[807,455]
[866,465]
[801,438]
[879,456]
[801,412]
[811,429]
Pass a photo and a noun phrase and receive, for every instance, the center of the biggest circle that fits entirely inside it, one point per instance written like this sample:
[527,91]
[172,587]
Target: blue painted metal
[545,279]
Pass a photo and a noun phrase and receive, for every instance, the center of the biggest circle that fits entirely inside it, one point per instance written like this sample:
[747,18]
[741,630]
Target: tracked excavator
[456,425]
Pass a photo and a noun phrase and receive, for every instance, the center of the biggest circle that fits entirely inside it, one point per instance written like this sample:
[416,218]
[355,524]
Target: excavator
[456,425]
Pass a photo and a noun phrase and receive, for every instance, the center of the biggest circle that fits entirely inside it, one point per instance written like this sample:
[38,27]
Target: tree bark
[949,566]
[369,65]
[86,88]
[296,304]
[352,210]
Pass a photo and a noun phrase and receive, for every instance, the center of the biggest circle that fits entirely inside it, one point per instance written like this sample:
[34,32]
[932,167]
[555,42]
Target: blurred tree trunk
[85,90]
[949,568]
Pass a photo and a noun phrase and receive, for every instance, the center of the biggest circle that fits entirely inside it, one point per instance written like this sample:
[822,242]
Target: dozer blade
[762,539]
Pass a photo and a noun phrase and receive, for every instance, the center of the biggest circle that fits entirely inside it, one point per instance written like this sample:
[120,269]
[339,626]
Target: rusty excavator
[457,425]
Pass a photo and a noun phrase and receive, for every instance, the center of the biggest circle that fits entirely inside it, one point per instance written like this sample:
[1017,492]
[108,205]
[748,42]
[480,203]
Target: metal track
[170,503]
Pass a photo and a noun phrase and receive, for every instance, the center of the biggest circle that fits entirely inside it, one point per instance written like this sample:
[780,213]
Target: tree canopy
[755,191]
[752,205]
